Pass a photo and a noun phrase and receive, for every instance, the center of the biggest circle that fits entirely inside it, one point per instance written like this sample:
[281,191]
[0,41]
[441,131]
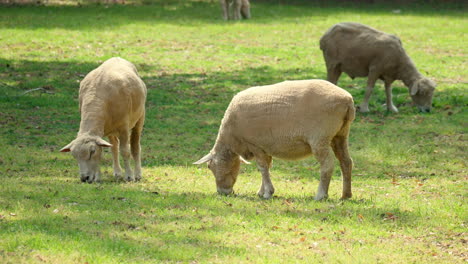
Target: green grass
[410,177]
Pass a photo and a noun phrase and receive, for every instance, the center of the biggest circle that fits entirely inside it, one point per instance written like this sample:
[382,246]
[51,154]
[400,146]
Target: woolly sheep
[240,8]
[112,103]
[289,120]
[359,51]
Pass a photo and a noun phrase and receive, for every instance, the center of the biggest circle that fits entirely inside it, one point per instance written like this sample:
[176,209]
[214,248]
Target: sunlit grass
[409,180]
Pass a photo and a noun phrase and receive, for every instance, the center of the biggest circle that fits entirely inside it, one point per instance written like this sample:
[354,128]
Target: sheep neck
[92,119]
[409,74]
[222,149]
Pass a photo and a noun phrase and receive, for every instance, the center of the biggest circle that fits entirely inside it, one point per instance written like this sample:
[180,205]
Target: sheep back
[114,94]
[282,119]
[355,47]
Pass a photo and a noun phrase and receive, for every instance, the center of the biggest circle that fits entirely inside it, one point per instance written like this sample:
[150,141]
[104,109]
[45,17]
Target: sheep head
[87,151]
[225,167]
[421,93]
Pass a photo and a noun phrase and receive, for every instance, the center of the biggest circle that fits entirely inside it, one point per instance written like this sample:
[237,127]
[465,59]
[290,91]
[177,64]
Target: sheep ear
[102,143]
[67,148]
[206,158]
[244,160]
[414,88]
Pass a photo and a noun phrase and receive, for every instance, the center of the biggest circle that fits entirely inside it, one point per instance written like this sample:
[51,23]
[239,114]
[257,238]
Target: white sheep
[289,120]
[239,8]
[112,103]
[359,51]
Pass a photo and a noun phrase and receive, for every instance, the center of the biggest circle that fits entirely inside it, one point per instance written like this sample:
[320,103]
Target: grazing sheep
[240,8]
[360,51]
[112,103]
[289,120]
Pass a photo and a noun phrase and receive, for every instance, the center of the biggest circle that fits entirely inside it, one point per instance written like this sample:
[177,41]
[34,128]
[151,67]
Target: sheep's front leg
[266,190]
[325,158]
[372,78]
[388,92]
[125,152]
[115,156]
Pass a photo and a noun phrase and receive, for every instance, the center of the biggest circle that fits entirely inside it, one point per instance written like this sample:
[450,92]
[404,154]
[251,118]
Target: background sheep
[360,51]
[112,103]
[234,9]
[289,120]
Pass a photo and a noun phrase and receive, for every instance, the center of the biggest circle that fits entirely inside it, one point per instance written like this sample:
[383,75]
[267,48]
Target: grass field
[410,176]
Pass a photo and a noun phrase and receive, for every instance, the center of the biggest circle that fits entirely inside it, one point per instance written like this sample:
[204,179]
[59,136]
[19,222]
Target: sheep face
[87,151]
[421,94]
[225,169]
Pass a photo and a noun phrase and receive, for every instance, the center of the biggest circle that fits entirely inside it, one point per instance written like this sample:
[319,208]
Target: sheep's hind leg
[136,147]
[115,157]
[333,73]
[340,147]
[372,78]
[325,158]
[125,151]
[264,164]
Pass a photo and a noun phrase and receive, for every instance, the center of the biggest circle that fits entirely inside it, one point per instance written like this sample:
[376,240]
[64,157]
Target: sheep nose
[84,178]
[424,109]
[225,191]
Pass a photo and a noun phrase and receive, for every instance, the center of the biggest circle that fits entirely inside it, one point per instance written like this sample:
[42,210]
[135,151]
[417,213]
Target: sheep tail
[348,119]
[351,114]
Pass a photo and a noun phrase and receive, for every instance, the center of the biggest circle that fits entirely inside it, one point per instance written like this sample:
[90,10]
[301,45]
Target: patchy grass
[410,177]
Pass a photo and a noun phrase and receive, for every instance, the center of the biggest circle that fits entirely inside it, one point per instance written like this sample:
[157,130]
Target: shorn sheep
[289,120]
[360,51]
[235,9]
[112,103]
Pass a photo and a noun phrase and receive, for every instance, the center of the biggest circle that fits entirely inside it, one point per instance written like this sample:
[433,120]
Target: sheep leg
[245,9]
[340,148]
[225,7]
[115,156]
[372,78]
[333,74]
[237,5]
[136,147]
[388,92]
[264,165]
[325,158]
[125,152]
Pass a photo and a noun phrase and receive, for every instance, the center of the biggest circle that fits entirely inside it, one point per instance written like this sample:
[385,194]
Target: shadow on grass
[183,110]
[115,219]
[102,17]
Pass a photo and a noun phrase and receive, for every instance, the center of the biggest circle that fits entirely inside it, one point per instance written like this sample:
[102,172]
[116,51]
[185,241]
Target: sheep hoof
[265,194]
[129,178]
[346,196]
[392,109]
[118,175]
[260,192]
[321,197]
[363,108]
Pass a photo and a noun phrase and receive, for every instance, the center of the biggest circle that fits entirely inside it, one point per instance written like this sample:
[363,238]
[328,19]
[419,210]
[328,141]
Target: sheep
[289,120]
[360,51]
[112,103]
[240,8]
